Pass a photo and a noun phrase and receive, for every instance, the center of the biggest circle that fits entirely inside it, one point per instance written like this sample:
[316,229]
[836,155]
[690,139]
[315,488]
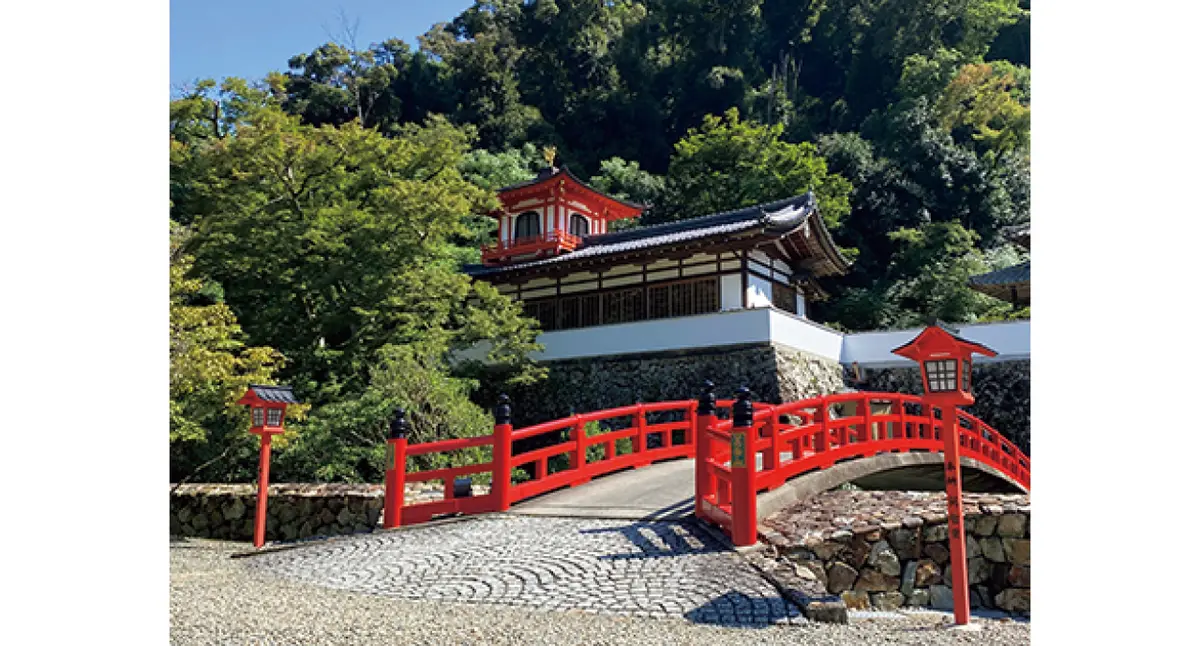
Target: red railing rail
[789,440]
[554,239]
[783,441]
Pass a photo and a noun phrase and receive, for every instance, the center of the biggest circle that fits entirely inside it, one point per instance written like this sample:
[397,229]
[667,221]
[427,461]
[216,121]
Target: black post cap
[503,411]
[708,400]
[743,408]
[398,429]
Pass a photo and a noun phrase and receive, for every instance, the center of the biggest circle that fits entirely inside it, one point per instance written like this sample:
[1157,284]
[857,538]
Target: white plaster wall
[803,334]
[1009,339]
[801,305]
[758,292]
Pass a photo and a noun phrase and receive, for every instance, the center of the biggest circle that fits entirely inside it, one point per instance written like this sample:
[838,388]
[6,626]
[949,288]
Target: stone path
[614,567]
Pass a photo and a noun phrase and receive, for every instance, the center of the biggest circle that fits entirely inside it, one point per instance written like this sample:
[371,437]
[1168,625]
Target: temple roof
[546,174]
[777,219]
[1009,284]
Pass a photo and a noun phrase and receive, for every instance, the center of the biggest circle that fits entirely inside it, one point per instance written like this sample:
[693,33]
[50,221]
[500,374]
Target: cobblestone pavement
[633,568]
[216,600]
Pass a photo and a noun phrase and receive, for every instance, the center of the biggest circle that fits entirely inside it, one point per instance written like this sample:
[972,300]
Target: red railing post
[639,442]
[579,455]
[691,432]
[706,419]
[502,454]
[393,488]
[743,463]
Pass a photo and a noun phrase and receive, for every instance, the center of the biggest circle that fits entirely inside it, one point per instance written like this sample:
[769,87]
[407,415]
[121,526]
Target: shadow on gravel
[736,610]
[660,539]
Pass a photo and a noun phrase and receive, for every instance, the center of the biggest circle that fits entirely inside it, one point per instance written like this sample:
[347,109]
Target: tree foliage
[332,205]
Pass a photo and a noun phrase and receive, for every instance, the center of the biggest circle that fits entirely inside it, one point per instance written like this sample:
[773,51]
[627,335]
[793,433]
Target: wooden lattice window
[783,297]
[568,312]
[623,306]
[708,296]
[545,311]
[659,298]
[589,310]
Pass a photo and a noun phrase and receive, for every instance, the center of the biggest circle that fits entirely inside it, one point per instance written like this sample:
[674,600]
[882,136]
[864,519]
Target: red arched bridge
[817,437]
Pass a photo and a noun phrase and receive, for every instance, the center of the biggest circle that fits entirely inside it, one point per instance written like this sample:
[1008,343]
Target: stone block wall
[1001,389]
[294,511]
[885,550]
[773,372]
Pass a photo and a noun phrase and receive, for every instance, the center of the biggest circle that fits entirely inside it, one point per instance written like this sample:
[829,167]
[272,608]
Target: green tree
[346,441]
[333,242]
[211,367]
[728,163]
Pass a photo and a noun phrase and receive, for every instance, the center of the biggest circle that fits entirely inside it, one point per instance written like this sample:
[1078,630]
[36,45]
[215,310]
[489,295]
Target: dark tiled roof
[778,217]
[546,173]
[276,394]
[1015,275]
[1018,234]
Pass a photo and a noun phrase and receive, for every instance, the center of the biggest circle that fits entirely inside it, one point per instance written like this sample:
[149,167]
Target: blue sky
[248,38]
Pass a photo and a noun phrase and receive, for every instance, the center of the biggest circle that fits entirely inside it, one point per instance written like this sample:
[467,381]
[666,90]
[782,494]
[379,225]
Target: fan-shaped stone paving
[648,569]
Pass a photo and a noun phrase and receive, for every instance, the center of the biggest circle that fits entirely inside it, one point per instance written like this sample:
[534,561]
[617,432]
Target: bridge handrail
[793,438]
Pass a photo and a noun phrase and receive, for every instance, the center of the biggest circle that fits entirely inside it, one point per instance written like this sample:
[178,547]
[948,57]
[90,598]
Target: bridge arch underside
[914,471]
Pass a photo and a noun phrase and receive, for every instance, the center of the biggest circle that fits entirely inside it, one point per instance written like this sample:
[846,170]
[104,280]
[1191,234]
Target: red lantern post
[945,360]
[268,407]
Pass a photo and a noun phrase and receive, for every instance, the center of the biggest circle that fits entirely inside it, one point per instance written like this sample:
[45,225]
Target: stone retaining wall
[1001,390]
[773,372]
[887,549]
[294,511]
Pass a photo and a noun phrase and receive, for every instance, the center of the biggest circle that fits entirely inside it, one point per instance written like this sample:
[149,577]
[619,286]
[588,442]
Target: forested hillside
[319,216]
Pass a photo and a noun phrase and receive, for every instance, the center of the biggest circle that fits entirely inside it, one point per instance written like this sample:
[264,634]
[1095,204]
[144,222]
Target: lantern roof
[940,338]
[269,395]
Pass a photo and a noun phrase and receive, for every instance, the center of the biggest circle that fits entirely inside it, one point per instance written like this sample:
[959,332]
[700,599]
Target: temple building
[650,313]
[1010,284]
[556,254]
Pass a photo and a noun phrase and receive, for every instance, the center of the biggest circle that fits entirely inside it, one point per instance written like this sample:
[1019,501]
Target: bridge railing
[784,441]
[640,430]
[788,440]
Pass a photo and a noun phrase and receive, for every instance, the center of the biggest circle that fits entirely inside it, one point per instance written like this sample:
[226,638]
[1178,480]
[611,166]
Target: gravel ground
[219,600]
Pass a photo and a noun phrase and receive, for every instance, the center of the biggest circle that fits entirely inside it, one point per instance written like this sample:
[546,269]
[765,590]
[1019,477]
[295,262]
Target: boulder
[993,549]
[840,577]
[1016,550]
[985,525]
[345,517]
[927,573]
[856,600]
[884,558]
[941,597]
[1014,600]
[1012,525]
[905,543]
[1018,576]
[872,580]
[908,580]
[826,550]
[919,598]
[887,600]
[938,552]
[234,510]
[934,533]
[973,549]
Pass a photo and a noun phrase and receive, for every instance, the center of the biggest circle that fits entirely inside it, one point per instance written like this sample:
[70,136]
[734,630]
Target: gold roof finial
[548,154]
